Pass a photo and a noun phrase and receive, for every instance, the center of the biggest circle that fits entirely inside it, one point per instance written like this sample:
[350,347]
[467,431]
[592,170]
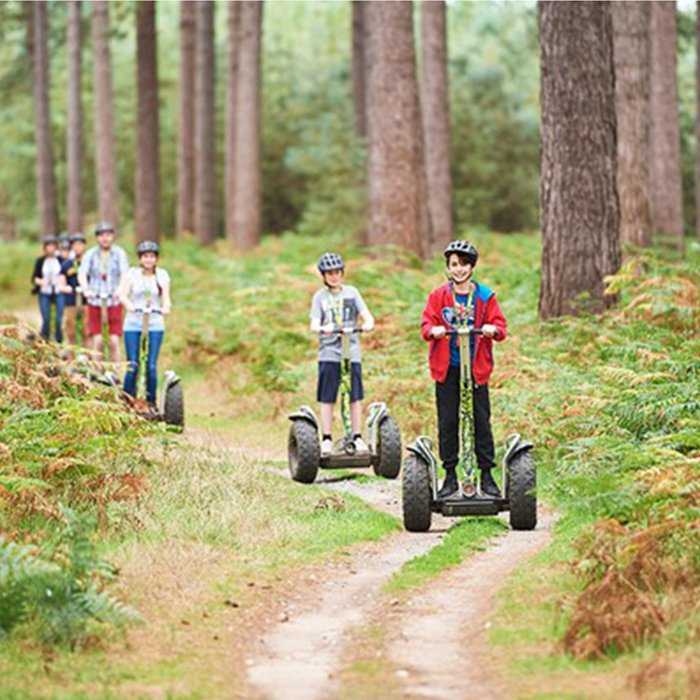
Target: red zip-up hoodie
[439,310]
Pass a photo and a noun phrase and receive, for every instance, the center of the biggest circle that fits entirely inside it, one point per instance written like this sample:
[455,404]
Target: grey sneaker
[326,447]
[361,446]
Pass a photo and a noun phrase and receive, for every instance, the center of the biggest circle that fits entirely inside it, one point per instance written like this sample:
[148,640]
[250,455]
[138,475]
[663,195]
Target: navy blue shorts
[329,382]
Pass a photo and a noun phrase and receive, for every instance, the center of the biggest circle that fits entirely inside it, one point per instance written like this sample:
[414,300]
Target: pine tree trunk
[234,27]
[147,193]
[631,43]
[436,120]
[205,127]
[247,177]
[666,186]
[105,159]
[398,212]
[48,218]
[578,197]
[74,131]
[359,68]
[186,128]
[697,120]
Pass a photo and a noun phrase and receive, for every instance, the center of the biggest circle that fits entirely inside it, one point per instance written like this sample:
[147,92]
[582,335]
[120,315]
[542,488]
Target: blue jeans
[45,302]
[132,342]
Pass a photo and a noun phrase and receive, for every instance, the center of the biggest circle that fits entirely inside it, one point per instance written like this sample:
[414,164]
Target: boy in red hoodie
[448,308]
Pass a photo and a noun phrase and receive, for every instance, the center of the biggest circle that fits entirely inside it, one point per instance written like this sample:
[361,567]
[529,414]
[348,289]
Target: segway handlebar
[464,331]
[341,331]
[148,311]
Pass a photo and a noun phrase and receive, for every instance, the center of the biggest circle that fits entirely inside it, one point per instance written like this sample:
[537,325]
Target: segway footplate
[342,460]
[479,505]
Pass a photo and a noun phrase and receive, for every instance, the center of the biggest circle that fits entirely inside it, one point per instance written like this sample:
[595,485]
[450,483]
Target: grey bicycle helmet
[330,261]
[464,249]
[75,237]
[49,239]
[102,227]
[147,247]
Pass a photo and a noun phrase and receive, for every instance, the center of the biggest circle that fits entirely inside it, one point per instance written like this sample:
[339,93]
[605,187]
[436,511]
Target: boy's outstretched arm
[367,320]
[431,318]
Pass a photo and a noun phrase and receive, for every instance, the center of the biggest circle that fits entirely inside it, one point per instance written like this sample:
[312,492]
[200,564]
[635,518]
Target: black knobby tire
[522,481]
[388,460]
[303,451]
[174,405]
[416,494]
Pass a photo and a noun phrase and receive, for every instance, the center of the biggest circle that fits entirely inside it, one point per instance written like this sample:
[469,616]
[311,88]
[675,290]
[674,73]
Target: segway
[382,434]
[420,481]
[171,407]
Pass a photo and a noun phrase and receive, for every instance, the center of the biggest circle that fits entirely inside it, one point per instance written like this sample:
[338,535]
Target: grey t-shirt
[341,310]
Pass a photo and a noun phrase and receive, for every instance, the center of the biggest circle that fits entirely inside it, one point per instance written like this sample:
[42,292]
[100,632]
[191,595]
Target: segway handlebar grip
[464,331]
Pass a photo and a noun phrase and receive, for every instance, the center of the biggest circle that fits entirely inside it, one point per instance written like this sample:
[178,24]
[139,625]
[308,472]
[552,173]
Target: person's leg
[155,341]
[326,395]
[483,439]
[132,341]
[45,310]
[94,324]
[357,394]
[327,418]
[59,302]
[447,400]
[70,326]
[114,316]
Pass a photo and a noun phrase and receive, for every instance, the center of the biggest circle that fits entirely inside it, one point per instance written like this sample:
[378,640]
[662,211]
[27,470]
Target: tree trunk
[48,218]
[578,198]
[205,127]
[666,186]
[74,132]
[246,147]
[398,212]
[147,160]
[185,145]
[105,159]
[436,121]
[234,26]
[697,120]
[359,68]
[631,43]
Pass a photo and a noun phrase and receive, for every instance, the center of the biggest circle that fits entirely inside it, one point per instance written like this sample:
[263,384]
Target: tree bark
[359,67]
[247,179]
[398,212]
[46,196]
[105,159]
[75,155]
[578,197]
[666,186]
[185,151]
[436,120]
[234,27]
[205,126]
[697,120]
[147,193]
[631,44]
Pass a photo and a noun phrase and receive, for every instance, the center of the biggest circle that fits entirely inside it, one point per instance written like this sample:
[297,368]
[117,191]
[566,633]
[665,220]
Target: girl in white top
[48,281]
[145,293]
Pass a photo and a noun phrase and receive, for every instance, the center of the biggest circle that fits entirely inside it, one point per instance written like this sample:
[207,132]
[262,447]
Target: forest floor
[253,586]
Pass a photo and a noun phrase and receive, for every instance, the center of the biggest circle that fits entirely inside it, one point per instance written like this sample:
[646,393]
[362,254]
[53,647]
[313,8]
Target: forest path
[323,630]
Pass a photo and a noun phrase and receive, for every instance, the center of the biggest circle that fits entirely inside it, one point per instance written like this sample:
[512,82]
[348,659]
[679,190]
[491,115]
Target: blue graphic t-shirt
[461,308]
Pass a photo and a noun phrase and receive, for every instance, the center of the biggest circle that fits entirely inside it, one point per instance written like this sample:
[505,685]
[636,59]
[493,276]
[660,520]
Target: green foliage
[59,590]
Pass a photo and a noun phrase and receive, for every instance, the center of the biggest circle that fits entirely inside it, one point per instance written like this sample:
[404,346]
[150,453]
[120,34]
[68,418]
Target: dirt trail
[448,622]
[300,657]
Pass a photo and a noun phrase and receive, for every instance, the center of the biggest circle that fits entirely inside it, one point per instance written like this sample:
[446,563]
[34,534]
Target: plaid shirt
[104,273]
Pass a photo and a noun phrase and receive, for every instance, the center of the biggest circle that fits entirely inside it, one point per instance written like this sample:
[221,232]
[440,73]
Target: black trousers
[447,398]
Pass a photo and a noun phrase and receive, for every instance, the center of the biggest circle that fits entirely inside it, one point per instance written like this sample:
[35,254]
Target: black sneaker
[488,485]
[450,484]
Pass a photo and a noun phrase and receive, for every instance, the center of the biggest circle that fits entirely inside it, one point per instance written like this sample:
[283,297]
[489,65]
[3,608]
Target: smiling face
[459,269]
[105,239]
[50,249]
[334,278]
[78,248]
[148,261]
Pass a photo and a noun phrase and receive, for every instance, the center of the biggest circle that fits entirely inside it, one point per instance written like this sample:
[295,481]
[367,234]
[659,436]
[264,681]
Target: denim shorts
[329,382]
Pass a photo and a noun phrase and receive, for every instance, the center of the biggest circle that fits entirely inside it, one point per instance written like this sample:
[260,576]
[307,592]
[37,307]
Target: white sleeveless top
[145,291]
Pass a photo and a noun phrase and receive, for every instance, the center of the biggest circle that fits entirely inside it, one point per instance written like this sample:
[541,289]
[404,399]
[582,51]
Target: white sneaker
[361,446]
[326,447]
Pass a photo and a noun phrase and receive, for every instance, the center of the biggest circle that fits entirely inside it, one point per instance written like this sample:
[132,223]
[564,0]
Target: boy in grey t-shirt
[334,307]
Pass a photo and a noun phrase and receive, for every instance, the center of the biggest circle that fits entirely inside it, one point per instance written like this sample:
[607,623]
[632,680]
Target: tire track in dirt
[447,622]
[300,657]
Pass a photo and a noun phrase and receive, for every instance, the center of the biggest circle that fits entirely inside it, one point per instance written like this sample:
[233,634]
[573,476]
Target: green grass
[469,535]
